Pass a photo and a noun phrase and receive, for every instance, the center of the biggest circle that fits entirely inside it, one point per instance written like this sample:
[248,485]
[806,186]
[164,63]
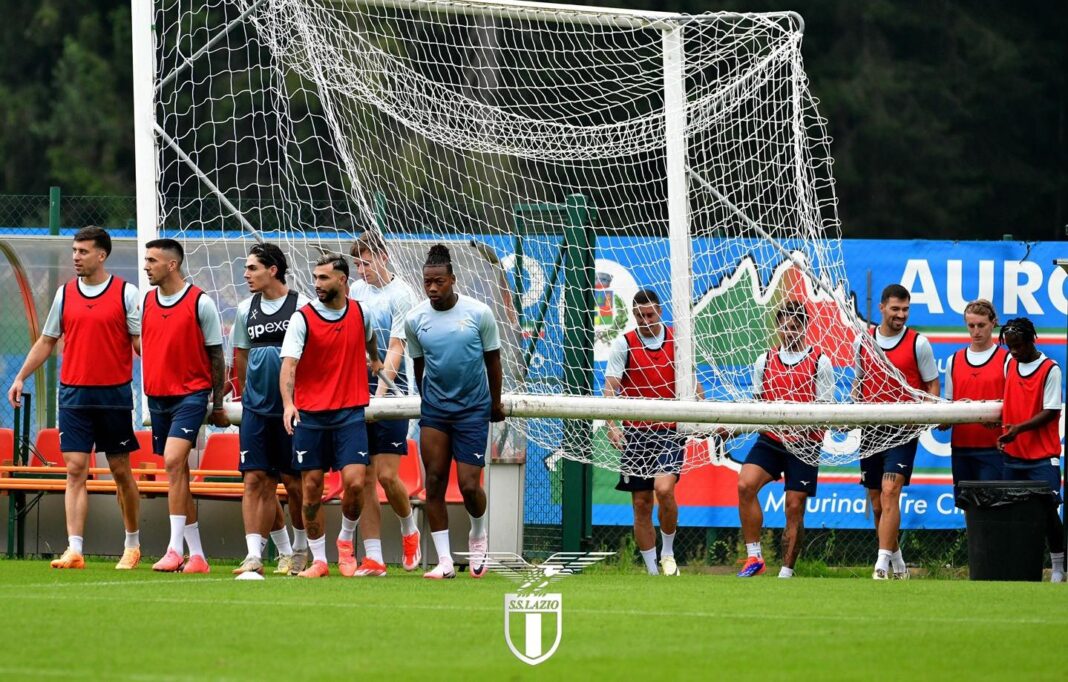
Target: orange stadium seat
[7,445]
[410,473]
[144,458]
[221,453]
[46,449]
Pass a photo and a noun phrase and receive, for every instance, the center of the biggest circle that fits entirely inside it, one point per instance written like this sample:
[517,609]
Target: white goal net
[571,157]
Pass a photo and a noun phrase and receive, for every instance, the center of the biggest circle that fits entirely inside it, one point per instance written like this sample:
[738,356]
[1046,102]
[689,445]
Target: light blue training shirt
[386,308]
[452,343]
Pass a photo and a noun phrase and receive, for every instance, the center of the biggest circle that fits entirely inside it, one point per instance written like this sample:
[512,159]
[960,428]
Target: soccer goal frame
[150,138]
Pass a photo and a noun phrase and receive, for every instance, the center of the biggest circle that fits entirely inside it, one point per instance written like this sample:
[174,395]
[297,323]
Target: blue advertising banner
[1019,278]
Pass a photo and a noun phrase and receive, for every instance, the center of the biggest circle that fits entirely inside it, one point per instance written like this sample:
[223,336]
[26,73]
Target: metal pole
[1062,263]
[49,392]
[20,498]
[146,153]
[678,210]
[517,270]
[576,513]
[12,506]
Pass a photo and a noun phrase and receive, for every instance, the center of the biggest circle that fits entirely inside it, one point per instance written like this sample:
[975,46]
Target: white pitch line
[68,673]
[110,583]
[907,619]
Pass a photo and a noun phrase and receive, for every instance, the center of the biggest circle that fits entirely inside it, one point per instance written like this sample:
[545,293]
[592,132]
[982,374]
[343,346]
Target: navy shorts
[331,448]
[896,460]
[1017,469]
[656,451]
[177,417]
[108,430]
[388,437]
[976,464]
[772,457]
[265,445]
[468,438]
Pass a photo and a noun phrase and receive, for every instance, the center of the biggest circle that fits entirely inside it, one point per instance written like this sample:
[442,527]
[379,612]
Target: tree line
[948,117]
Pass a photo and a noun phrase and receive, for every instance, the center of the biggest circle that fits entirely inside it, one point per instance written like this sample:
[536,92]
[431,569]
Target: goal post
[695,138]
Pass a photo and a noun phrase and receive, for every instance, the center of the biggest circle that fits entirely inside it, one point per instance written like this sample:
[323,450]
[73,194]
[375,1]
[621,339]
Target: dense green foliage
[949,117]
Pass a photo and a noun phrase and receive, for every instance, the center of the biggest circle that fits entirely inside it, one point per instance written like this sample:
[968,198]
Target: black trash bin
[1006,528]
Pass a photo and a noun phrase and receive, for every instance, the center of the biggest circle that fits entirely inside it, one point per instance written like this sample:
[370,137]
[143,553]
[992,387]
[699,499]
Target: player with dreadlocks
[1030,438]
[455,346]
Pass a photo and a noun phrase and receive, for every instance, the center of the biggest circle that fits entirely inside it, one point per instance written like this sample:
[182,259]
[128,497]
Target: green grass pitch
[101,624]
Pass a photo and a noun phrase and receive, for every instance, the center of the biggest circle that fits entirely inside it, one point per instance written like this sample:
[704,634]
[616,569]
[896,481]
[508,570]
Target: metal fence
[939,552]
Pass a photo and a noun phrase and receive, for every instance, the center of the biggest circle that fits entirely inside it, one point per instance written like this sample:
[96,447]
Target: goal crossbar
[706,412]
[577,14]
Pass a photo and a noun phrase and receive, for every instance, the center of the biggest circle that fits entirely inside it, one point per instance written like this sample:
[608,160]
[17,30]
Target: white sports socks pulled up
[441,544]
[177,532]
[372,547]
[255,542]
[407,524]
[318,548]
[280,538]
[649,556]
[192,538]
[348,528]
[667,547]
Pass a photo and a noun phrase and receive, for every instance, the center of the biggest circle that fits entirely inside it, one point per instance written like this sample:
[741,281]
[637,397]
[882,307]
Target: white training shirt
[924,353]
[53,325]
[1051,394]
[617,354]
[207,312]
[297,333]
[824,373]
[975,358]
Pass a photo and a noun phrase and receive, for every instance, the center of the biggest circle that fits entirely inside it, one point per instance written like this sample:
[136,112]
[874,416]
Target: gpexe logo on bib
[533,617]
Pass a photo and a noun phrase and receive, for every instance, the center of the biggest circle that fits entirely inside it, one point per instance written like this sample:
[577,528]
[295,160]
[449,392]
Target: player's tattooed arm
[218,385]
[287,381]
[218,375]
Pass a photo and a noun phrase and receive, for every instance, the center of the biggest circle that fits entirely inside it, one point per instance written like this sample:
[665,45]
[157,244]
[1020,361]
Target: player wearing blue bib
[387,300]
[266,449]
[455,346]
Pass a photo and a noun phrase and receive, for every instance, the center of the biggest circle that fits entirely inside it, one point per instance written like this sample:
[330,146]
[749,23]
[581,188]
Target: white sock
[668,547]
[884,559]
[348,528]
[898,560]
[1056,560]
[192,538]
[478,525]
[753,549]
[75,542]
[318,548]
[650,561]
[408,524]
[300,539]
[441,543]
[133,540]
[786,572]
[177,531]
[280,538]
[254,542]
[373,548]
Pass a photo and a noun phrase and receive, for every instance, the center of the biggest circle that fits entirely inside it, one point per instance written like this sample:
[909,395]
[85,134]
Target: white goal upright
[569,156]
